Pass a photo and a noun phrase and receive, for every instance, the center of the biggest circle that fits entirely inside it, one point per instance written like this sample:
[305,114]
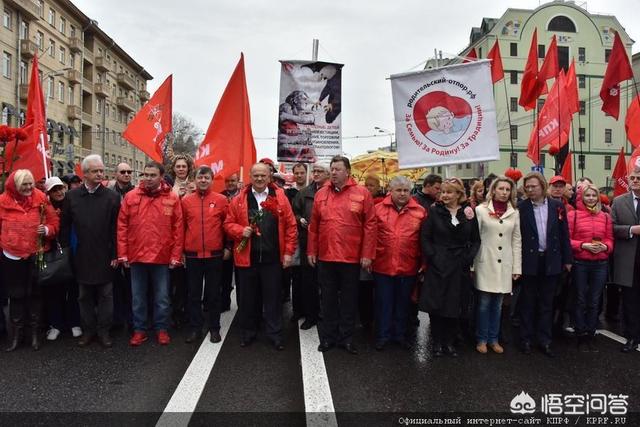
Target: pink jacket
[585,226]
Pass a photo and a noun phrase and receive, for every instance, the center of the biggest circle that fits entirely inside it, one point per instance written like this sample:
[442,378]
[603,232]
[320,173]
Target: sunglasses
[126,172]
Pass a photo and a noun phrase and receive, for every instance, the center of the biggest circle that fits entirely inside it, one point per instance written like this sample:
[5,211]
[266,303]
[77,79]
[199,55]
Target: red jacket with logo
[238,218]
[150,227]
[204,216]
[398,234]
[343,224]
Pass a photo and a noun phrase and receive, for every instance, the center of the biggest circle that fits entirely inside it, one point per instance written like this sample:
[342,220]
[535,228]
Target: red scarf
[499,207]
[22,200]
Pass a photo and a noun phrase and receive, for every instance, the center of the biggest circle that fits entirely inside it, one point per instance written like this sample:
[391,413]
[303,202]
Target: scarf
[499,207]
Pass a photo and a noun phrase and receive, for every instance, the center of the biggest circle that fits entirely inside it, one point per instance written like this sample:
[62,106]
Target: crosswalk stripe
[614,337]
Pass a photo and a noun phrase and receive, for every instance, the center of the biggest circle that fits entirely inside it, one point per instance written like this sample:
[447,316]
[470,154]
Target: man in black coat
[546,250]
[430,191]
[92,211]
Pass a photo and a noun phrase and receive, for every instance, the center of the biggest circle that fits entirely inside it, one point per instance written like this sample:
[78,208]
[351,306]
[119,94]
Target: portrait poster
[445,116]
[309,116]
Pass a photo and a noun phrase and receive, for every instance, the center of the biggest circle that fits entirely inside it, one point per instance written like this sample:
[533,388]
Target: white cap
[54,181]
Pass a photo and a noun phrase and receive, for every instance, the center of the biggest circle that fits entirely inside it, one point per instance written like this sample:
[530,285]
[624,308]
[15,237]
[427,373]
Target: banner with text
[309,128]
[445,116]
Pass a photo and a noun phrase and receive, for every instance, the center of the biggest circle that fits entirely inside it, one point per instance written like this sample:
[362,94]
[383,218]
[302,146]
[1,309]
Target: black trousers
[339,305]
[259,291]
[536,302]
[365,301]
[309,293]
[631,310]
[443,329]
[226,284]
[61,305]
[25,296]
[96,308]
[178,294]
[295,278]
[208,270]
[122,313]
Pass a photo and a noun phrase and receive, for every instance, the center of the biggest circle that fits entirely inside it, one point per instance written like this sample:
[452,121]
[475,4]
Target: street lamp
[392,143]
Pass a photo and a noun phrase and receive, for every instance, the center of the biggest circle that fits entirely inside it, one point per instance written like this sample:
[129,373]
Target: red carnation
[553,150]
[513,173]
[21,135]
[6,133]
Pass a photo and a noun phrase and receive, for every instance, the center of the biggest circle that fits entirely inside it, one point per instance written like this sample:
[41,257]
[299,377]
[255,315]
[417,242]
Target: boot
[16,335]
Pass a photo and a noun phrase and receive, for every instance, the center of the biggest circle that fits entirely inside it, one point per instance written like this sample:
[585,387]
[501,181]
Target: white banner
[445,116]
[310,111]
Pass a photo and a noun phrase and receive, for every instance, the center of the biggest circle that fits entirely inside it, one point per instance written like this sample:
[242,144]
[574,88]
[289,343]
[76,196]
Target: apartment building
[92,87]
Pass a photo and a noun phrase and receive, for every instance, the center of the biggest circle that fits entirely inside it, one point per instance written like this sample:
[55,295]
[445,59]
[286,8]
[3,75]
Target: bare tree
[186,135]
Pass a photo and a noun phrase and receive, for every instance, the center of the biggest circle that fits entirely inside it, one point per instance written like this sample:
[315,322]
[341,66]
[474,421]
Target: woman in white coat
[499,260]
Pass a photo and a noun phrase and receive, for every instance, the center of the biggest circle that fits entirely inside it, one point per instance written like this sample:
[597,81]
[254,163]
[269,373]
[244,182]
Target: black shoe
[526,348]
[380,345]
[630,345]
[278,345]
[546,350]
[406,345]
[308,324]
[451,350]
[295,317]
[105,341]
[16,338]
[583,347]
[193,336]
[437,350]
[325,346]
[350,348]
[246,342]
[215,337]
[85,340]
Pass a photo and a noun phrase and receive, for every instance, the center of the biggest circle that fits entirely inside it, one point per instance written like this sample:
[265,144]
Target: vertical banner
[445,116]
[309,119]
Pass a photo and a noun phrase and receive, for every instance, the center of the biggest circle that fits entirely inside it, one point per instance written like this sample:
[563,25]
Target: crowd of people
[164,253]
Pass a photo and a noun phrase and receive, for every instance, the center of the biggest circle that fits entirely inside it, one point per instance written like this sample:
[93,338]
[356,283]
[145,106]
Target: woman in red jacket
[591,232]
[22,208]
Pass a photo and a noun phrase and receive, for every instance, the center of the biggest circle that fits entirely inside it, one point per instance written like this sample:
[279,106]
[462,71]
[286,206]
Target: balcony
[86,117]
[28,49]
[101,63]
[24,91]
[74,112]
[125,81]
[74,77]
[144,95]
[75,44]
[27,8]
[88,55]
[101,89]
[87,85]
[126,104]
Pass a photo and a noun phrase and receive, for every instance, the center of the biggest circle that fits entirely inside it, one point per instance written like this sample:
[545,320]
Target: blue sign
[537,168]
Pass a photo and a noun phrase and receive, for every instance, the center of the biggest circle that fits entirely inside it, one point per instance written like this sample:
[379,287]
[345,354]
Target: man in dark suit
[546,250]
[625,212]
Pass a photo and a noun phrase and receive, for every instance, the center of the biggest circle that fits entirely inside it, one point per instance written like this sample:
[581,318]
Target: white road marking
[613,336]
[183,403]
[318,402]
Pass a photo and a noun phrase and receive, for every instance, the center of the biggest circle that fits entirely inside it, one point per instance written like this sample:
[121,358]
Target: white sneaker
[76,331]
[53,334]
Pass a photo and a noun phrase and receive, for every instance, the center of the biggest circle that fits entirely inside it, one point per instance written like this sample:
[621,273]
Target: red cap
[557,178]
[266,161]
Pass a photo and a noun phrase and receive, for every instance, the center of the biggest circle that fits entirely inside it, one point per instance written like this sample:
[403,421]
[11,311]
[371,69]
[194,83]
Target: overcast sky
[199,42]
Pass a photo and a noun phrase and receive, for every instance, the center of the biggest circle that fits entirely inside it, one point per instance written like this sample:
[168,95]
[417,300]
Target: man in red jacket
[341,240]
[150,240]
[262,225]
[204,212]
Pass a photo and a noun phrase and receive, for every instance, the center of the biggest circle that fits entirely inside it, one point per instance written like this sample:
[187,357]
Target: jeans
[588,282]
[158,275]
[488,313]
[392,297]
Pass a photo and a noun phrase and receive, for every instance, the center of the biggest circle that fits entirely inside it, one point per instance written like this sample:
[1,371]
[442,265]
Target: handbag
[57,267]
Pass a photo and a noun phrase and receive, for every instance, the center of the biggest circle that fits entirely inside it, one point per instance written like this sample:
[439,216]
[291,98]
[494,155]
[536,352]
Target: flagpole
[573,133]
[559,126]
[580,140]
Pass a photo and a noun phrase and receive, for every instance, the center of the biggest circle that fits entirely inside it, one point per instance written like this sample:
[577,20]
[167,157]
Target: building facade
[588,38]
[92,87]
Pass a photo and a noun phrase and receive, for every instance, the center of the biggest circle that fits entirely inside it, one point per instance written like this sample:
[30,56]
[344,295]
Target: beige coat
[500,254]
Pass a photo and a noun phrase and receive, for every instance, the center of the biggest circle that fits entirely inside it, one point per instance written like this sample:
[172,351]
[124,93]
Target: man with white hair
[625,213]
[92,211]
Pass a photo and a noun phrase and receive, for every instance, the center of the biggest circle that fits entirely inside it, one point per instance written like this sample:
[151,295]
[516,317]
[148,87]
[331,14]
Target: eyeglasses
[126,172]
[633,178]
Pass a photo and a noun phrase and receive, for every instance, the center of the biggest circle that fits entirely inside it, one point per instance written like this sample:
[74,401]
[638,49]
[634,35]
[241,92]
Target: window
[24,30]
[62,55]
[52,48]
[563,24]
[513,77]
[24,79]
[607,54]
[61,92]
[7,19]
[563,58]
[543,160]
[514,104]
[607,163]
[582,132]
[513,49]
[6,65]
[98,106]
[106,157]
[50,88]
[540,51]
[581,161]
[72,31]
[71,94]
[582,81]
[583,108]
[40,40]
[479,55]
[62,27]
[119,159]
[582,54]
[72,60]
[52,17]
[514,132]
[540,104]
[113,159]
[607,136]
[40,7]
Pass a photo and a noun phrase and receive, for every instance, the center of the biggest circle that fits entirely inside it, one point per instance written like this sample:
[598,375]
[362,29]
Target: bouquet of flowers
[269,205]
[7,135]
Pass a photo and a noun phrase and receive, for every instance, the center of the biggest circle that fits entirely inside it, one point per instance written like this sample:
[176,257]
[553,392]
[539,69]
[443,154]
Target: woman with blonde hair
[499,260]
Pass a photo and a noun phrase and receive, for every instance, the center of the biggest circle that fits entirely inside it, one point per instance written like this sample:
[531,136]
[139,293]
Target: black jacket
[302,206]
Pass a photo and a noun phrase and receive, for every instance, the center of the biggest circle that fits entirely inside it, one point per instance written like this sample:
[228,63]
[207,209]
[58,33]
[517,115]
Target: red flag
[633,161]
[497,72]
[471,56]
[632,122]
[554,122]
[573,96]
[567,169]
[149,127]
[30,153]
[530,87]
[78,170]
[619,175]
[550,67]
[228,146]
[618,70]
